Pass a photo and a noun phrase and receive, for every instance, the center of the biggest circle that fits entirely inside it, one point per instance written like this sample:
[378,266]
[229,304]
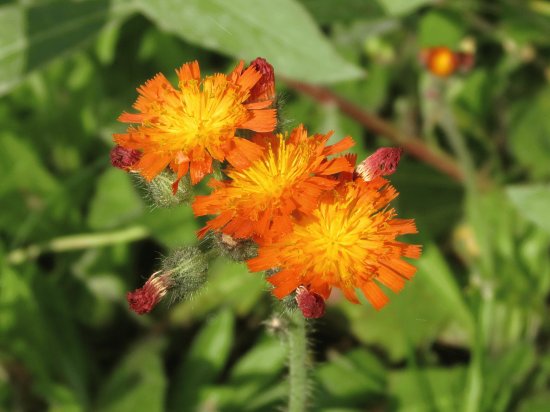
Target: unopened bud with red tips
[160,190]
[144,299]
[124,158]
[264,89]
[310,303]
[183,273]
[238,250]
[383,162]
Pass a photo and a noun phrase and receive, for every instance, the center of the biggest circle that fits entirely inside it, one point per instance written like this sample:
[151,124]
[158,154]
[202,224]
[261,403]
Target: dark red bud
[310,303]
[124,158]
[383,162]
[144,299]
[265,88]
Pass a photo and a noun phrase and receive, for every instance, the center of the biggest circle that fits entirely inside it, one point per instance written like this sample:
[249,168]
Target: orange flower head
[441,61]
[187,127]
[271,180]
[348,242]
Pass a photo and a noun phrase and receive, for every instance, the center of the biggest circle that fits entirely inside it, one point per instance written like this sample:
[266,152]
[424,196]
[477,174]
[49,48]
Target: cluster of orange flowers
[319,221]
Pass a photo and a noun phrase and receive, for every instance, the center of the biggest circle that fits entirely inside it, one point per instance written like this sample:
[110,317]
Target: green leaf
[433,266]
[138,383]
[402,7]
[445,384]
[282,32]
[39,331]
[417,182]
[115,202]
[530,133]
[347,10]
[31,36]
[532,203]
[506,375]
[204,361]
[350,380]
[172,226]
[423,311]
[440,29]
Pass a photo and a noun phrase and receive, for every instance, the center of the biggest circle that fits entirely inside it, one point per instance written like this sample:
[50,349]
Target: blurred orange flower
[272,179]
[186,128]
[443,61]
[348,241]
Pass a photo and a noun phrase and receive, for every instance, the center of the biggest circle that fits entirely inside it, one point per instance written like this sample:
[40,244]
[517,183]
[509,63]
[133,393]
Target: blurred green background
[470,333]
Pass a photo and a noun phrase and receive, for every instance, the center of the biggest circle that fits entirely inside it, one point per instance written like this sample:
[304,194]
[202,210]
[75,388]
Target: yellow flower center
[269,178]
[200,117]
[342,239]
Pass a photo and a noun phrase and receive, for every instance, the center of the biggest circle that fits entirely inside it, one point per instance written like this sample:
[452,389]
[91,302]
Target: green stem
[458,144]
[297,360]
[76,242]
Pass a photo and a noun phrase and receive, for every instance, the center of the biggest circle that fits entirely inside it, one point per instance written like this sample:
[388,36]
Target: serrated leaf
[31,36]
[204,361]
[532,203]
[282,32]
[138,383]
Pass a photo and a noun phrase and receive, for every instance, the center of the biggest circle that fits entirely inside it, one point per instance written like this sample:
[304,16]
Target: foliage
[469,333]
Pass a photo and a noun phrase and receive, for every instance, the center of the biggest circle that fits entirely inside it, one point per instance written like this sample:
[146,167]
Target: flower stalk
[298,363]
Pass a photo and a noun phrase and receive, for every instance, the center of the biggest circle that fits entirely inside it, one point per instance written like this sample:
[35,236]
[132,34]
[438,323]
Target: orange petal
[342,145]
[151,164]
[189,71]
[389,278]
[261,121]
[374,295]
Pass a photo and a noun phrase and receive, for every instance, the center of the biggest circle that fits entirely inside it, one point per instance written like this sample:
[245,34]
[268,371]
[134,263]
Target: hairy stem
[297,359]
[76,242]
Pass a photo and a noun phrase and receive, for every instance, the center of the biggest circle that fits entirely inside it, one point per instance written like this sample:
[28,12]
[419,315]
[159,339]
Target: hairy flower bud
[238,250]
[188,267]
[160,190]
[264,89]
[124,158]
[311,304]
[183,273]
[383,162]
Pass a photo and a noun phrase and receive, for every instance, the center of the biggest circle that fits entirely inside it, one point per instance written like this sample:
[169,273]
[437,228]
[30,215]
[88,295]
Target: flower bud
[188,267]
[383,162]
[311,304]
[160,190]
[264,89]
[144,299]
[238,250]
[124,158]
[183,273]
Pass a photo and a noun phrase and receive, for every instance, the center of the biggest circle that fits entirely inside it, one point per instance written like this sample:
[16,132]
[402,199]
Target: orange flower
[187,127]
[272,179]
[443,61]
[348,242]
